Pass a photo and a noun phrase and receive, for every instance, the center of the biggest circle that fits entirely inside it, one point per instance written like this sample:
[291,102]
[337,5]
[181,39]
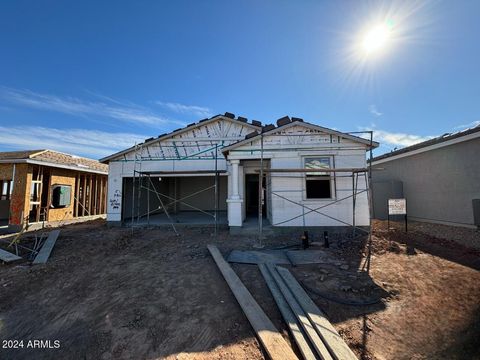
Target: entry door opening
[251,195]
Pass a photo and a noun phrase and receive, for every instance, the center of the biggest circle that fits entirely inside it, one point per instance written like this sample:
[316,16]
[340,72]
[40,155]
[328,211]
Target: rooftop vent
[256,123]
[242,119]
[229,115]
[297,119]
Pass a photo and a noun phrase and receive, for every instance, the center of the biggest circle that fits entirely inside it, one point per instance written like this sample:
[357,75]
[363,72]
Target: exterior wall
[192,150]
[61,177]
[287,151]
[293,188]
[439,184]
[19,202]
[6,173]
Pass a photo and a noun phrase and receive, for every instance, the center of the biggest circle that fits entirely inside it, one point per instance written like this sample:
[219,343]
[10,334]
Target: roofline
[306,124]
[178,132]
[45,163]
[428,145]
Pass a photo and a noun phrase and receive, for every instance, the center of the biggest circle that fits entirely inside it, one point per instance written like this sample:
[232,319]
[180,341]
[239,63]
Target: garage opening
[161,200]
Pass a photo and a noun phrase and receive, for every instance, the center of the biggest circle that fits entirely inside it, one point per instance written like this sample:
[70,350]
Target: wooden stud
[84,195]
[101,195]
[271,339]
[77,194]
[288,314]
[90,196]
[332,340]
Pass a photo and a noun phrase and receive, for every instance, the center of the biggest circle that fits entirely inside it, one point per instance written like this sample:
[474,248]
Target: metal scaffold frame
[139,176]
[354,173]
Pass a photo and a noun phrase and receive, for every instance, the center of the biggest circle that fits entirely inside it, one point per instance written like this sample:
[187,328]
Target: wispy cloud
[469,125]
[90,143]
[395,139]
[108,108]
[374,111]
[186,109]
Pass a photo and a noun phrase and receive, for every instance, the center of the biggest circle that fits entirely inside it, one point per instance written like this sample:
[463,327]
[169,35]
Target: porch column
[234,202]
[235,192]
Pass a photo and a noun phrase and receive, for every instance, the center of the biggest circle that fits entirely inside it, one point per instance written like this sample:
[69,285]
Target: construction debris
[7,257]
[267,333]
[337,347]
[47,248]
[293,313]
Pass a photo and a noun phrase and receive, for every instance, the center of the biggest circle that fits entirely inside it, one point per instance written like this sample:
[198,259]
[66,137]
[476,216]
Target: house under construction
[45,186]
[226,170]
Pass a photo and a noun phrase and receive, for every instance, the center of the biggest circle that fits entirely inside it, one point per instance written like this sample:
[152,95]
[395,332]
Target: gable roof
[54,159]
[285,123]
[435,143]
[255,125]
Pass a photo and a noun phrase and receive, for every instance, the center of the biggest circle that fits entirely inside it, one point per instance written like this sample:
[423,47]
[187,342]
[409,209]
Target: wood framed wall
[90,195]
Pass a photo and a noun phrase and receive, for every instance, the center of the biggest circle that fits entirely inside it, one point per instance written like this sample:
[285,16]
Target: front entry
[251,195]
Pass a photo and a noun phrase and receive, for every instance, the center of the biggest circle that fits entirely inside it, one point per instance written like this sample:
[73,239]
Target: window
[35,192]
[318,185]
[6,188]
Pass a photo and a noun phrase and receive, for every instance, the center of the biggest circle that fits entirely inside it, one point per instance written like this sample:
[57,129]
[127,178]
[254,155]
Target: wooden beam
[90,195]
[47,248]
[271,339]
[84,195]
[8,257]
[95,211]
[77,194]
[302,317]
[332,340]
[287,314]
[101,195]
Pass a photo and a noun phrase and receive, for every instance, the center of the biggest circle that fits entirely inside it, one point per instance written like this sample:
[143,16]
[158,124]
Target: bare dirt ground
[107,295]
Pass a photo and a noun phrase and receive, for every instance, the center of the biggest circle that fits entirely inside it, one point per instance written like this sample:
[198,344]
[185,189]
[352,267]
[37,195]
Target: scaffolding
[142,180]
[354,173]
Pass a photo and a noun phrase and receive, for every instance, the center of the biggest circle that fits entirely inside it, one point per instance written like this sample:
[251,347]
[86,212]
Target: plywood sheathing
[61,177]
[20,200]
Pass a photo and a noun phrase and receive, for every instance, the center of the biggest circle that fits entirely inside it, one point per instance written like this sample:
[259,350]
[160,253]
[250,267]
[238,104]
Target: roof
[9,155]
[440,141]
[54,159]
[255,125]
[286,122]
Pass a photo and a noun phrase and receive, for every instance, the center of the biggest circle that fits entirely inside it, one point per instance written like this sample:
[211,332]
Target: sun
[376,39]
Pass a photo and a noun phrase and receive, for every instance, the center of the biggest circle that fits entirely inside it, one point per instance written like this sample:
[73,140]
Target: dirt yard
[105,294]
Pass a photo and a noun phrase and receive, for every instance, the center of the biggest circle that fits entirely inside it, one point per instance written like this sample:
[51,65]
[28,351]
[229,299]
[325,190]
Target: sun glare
[375,39]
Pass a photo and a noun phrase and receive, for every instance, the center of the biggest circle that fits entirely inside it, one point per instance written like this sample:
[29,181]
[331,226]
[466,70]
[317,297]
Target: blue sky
[93,77]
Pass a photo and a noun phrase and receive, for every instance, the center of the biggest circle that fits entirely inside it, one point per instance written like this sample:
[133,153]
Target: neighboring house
[440,178]
[40,186]
[212,167]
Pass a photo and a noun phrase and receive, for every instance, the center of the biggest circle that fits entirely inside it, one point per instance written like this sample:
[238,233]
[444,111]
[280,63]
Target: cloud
[374,111]
[398,139]
[186,109]
[394,139]
[109,108]
[89,143]
[469,125]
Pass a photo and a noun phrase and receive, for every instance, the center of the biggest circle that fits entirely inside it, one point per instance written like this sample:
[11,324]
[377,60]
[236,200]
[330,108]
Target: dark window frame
[318,179]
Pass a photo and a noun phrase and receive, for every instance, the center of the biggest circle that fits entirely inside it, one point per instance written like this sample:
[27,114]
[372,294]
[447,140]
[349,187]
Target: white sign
[397,206]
